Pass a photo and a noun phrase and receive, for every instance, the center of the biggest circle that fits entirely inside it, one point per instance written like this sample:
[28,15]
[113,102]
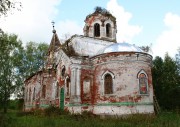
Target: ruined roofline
[83,36]
[33,74]
[103,11]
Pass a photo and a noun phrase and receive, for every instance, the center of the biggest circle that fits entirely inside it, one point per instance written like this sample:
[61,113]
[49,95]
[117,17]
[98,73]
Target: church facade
[92,72]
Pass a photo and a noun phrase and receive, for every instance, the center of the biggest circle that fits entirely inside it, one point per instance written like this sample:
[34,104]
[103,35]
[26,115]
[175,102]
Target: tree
[178,59]
[166,80]
[9,53]
[16,64]
[32,59]
[7,5]
[157,74]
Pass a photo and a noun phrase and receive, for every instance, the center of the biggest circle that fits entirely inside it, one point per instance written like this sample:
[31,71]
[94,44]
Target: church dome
[120,47]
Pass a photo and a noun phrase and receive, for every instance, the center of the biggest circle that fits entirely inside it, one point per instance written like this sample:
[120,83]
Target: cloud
[169,39]
[125,32]
[33,22]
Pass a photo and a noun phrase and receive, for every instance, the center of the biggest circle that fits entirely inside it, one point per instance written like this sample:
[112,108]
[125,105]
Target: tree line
[17,62]
[166,82]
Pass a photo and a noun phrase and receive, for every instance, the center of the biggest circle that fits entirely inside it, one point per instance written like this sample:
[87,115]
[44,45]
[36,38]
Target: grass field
[57,119]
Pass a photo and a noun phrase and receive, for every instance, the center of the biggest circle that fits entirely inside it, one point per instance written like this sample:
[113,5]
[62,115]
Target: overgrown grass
[53,117]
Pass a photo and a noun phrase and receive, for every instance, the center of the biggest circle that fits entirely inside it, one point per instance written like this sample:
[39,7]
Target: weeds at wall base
[58,118]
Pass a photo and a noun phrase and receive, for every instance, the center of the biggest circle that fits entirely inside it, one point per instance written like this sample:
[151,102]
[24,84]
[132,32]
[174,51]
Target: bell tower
[101,25]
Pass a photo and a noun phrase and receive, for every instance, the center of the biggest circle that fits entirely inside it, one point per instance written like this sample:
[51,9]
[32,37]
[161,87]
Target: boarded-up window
[44,91]
[96,30]
[143,84]
[108,84]
[67,87]
[108,30]
[86,87]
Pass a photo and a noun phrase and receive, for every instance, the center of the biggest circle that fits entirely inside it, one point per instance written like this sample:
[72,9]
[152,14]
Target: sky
[155,23]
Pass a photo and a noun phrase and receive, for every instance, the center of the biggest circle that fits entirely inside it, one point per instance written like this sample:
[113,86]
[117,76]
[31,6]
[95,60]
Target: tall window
[96,30]
[44,91]
[108,30]
[34,93]
[108,84]
[67,87]
[143,83]
[29,94]
[63,71]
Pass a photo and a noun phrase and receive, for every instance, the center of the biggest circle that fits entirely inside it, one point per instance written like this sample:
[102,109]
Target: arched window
[143,82]
[108,84]
[96,30]
[68,86]
[108,30]
[34,93]
[44,91]
[63,71]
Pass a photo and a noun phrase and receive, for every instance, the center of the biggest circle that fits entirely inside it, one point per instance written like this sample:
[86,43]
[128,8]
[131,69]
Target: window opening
[63,71]
[108,83]
[143,84]
[29,94]
[67,87]
[108,30]
[44,91]
[96,30]
[34,93]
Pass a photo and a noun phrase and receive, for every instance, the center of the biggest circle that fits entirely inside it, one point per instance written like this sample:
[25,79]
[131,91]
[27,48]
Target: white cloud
[169,39]
[68,27]
[125,32]
[33,22]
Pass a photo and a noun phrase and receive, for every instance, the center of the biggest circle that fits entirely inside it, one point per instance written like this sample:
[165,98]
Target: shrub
[53,111]
[22,113]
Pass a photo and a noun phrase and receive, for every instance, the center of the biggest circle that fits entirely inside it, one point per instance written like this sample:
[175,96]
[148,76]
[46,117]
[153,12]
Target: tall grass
[54,117]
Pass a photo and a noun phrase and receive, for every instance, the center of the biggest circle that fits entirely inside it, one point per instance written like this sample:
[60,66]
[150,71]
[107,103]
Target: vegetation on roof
[67,48]
[102,11]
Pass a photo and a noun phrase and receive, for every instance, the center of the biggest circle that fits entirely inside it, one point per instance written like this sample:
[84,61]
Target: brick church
[93,72]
